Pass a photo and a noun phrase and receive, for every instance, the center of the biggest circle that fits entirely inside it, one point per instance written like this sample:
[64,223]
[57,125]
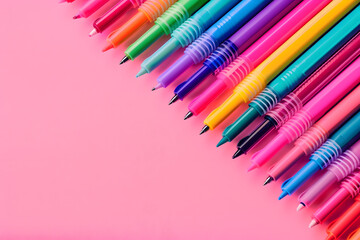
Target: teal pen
[188,32]
[297,72]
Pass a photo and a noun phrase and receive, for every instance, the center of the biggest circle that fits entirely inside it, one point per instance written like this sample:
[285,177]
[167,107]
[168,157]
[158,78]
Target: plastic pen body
[212,38]
[149,11]
[257,80]
[294,101]
[89,8]
[354,235]
[258,52]
[237,43]
[188,32]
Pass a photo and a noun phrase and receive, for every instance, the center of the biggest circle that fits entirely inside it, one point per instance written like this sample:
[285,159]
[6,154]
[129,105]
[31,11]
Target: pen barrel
[155,8]
[285,109]
[326,154]
[296,126]
[137,3]
[222,56]
[91,7]
[312,139]
[250,86]
[201,48]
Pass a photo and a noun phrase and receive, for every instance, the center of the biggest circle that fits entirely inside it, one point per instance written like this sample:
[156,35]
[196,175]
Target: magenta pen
[89,8]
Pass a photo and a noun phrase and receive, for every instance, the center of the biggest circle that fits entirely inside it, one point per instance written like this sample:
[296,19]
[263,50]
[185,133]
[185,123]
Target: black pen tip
[205,129]
[188,115]
[174,99]
[268,180]
[124,60]
[237,153]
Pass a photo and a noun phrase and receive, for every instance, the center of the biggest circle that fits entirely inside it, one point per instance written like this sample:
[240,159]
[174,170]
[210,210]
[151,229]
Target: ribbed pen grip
[296,126]
[344,165]
[222,57]
[326,154]
[252,85]
[188,32]
[265,101]
[312,139]
[201,48]
[352,183]
[136,3]
[285,109]
[236,72]
[155,8]
[176,14]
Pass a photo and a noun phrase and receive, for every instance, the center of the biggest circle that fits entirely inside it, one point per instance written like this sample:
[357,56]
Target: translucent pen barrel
[355,235]
[338,170]
[149,11]
[90,7]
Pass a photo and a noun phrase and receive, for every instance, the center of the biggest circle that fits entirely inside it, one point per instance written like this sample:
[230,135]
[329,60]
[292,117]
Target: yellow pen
[257,80]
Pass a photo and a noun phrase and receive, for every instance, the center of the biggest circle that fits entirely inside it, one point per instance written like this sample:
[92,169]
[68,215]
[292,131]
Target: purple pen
[236,44]
[338,170]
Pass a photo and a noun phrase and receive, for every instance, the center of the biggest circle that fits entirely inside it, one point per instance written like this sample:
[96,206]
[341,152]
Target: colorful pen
[355,235]
[349,188]
[310,113]
[297,72]
[149,11]
[336,172]
[212,38]
[316,135]
[89,8]
[188,32]
[113,14]
[338,227]
[325,155]
[68,1]
[164,25]
[255,54]
[294,101]
[236,44]
[276,62]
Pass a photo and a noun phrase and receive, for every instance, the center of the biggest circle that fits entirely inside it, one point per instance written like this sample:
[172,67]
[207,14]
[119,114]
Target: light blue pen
[188,32]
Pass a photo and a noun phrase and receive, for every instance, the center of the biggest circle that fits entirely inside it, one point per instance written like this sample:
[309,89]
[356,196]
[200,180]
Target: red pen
[113,14]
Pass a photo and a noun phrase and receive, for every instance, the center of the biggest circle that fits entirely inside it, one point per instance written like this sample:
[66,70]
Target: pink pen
[350,188]
[345,164]
[68,1]
[89,8]
[310,113]
[113,14]
[258,52]
[317,134]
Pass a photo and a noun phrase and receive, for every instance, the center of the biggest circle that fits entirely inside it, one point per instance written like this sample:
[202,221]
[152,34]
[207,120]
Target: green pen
[164,25]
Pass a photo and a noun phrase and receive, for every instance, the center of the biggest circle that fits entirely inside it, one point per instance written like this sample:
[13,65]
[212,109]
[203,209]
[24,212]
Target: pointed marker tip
[188,115]
[107,48]
[238,153]
[282,195]
[93,32]
[204,129]
[76,16]
[313,223]
[174,99]
[301,206]
[222,142]
[252,167]
[268,180]
[153,89]
[141,72]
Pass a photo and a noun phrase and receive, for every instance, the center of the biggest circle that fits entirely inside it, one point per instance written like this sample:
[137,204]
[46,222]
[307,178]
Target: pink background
[89,152]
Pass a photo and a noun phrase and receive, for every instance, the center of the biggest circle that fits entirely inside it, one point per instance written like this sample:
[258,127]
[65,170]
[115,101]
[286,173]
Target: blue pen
[212,38]
[237,43]
[342,139]
[188,32]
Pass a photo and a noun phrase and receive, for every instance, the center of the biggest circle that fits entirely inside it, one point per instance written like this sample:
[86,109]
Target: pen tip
[156,87]
[252,167]
[313,223]
[237,153]
[174,99]
[124,60]
[93,32]
[108,47]
[222,141]
[77,16]
[204,129]
[141,72]
[268,180]
[301,206]
[188,115]
[282,195]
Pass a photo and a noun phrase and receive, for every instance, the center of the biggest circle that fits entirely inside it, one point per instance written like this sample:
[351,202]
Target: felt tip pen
[89,8]
[237,43]
[202,47]
[349,188]
[188,32]
[164,25]
[294,101]
[355,235]
[297,72]
[113,14]
[316,135]
[68,1]
[310,113]
[338,227]
[255,54]
[149,11]
[325,155]
[336,172]
[257,80]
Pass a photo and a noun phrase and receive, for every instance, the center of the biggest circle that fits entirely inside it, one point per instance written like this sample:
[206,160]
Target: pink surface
[89,152]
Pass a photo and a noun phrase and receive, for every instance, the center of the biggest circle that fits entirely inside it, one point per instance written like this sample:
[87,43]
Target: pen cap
[355,235]
[153,9]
